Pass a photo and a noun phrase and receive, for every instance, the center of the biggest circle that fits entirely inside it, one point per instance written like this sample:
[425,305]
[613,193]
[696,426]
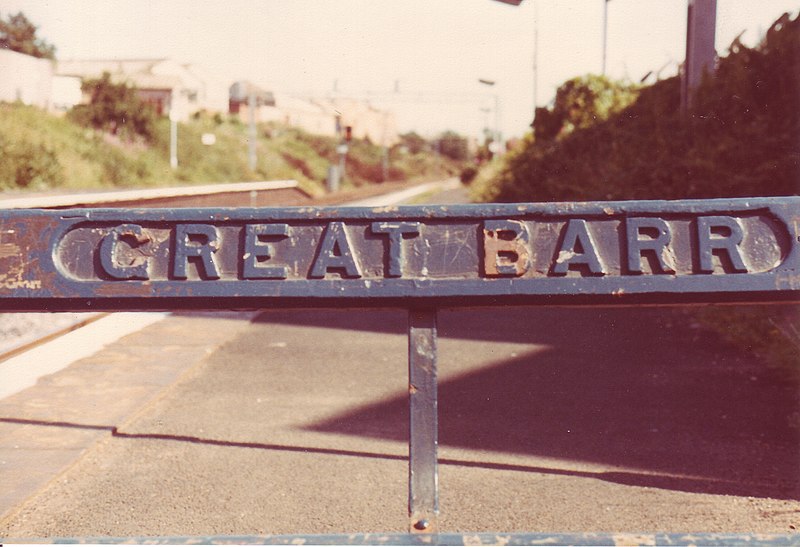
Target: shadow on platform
[631,388]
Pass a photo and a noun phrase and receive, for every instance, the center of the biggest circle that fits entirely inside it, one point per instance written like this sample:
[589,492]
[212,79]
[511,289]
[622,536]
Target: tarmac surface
[282,422]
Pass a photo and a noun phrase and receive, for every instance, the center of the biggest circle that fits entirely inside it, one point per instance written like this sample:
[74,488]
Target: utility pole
[496,138]
[497,132]
[535,56]
[252,134]
[701,24]
[535,67]
[173,132]
[605,34]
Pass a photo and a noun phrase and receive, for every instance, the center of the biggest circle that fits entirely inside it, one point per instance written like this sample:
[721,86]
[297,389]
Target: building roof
[92,67]
[142,73]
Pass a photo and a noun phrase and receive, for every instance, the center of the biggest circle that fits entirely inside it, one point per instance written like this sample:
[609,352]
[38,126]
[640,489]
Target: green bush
[468,174]
[739,139]
[28,165]
[453,146]
[115,108]
[581,103]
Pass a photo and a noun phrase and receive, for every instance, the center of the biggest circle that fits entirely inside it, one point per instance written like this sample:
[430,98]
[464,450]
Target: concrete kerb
[128,383]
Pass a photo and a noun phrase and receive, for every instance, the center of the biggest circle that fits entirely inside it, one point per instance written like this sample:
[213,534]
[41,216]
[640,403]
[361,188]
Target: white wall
[25,78]
[66,93]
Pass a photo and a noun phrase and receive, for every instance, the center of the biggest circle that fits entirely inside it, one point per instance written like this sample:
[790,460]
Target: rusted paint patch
[506,250]
[9,249]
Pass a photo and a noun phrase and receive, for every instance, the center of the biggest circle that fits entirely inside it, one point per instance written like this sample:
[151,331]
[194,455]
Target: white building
[329,117]
[171,87]
[66,93]
[25,78]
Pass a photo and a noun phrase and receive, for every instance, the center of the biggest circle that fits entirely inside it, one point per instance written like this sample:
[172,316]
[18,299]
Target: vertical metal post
[173,140]
[497,133]
[252,134]
[423,475]
[342,161]
[605,35]
[535,57]
[332,181]
[385,164]
[701,21]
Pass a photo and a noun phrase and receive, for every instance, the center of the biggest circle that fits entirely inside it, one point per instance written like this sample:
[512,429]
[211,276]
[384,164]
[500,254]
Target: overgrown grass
[41,151]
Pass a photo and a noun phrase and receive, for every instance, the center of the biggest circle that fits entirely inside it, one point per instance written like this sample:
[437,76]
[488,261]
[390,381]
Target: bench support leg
[423,476]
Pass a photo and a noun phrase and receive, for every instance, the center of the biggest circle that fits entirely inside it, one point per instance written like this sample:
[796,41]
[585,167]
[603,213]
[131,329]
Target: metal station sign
[419,258]
[623,252]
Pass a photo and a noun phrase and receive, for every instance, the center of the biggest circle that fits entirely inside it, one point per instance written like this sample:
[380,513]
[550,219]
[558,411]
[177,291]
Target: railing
[417,258]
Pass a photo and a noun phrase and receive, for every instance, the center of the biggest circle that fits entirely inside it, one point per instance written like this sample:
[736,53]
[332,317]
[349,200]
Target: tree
[413,142]
[580,103]
[115,108]
[454,146]
[739,139]
[19,34]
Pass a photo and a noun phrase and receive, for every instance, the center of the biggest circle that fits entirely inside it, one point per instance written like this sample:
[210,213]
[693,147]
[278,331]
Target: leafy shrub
[580,103]
[468,174]
[115,108]
[453,146]
[29,165]
[739,139]
[413,142]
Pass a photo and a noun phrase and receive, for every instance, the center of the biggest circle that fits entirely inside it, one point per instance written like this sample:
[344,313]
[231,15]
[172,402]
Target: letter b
[505,248]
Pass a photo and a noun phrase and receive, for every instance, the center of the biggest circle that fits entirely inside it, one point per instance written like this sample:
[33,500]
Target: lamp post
[252,133]
[496,138]
[173,131]
[535,48]
[605,34]
[535,57]
[485,111]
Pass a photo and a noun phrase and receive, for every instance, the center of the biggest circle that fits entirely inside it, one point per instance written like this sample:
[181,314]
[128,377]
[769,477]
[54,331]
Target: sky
[421,58]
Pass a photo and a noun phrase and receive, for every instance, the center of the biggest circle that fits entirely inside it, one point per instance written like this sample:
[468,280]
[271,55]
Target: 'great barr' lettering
[491,248]
[624,252]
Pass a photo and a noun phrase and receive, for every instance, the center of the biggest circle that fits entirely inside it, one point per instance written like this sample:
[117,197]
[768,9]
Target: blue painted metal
[423,476]
[562,253]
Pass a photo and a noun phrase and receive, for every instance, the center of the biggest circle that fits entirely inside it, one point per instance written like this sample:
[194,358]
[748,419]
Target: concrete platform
[295,423]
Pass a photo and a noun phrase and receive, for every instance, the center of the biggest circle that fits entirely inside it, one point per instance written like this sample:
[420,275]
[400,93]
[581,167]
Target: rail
[416,258]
